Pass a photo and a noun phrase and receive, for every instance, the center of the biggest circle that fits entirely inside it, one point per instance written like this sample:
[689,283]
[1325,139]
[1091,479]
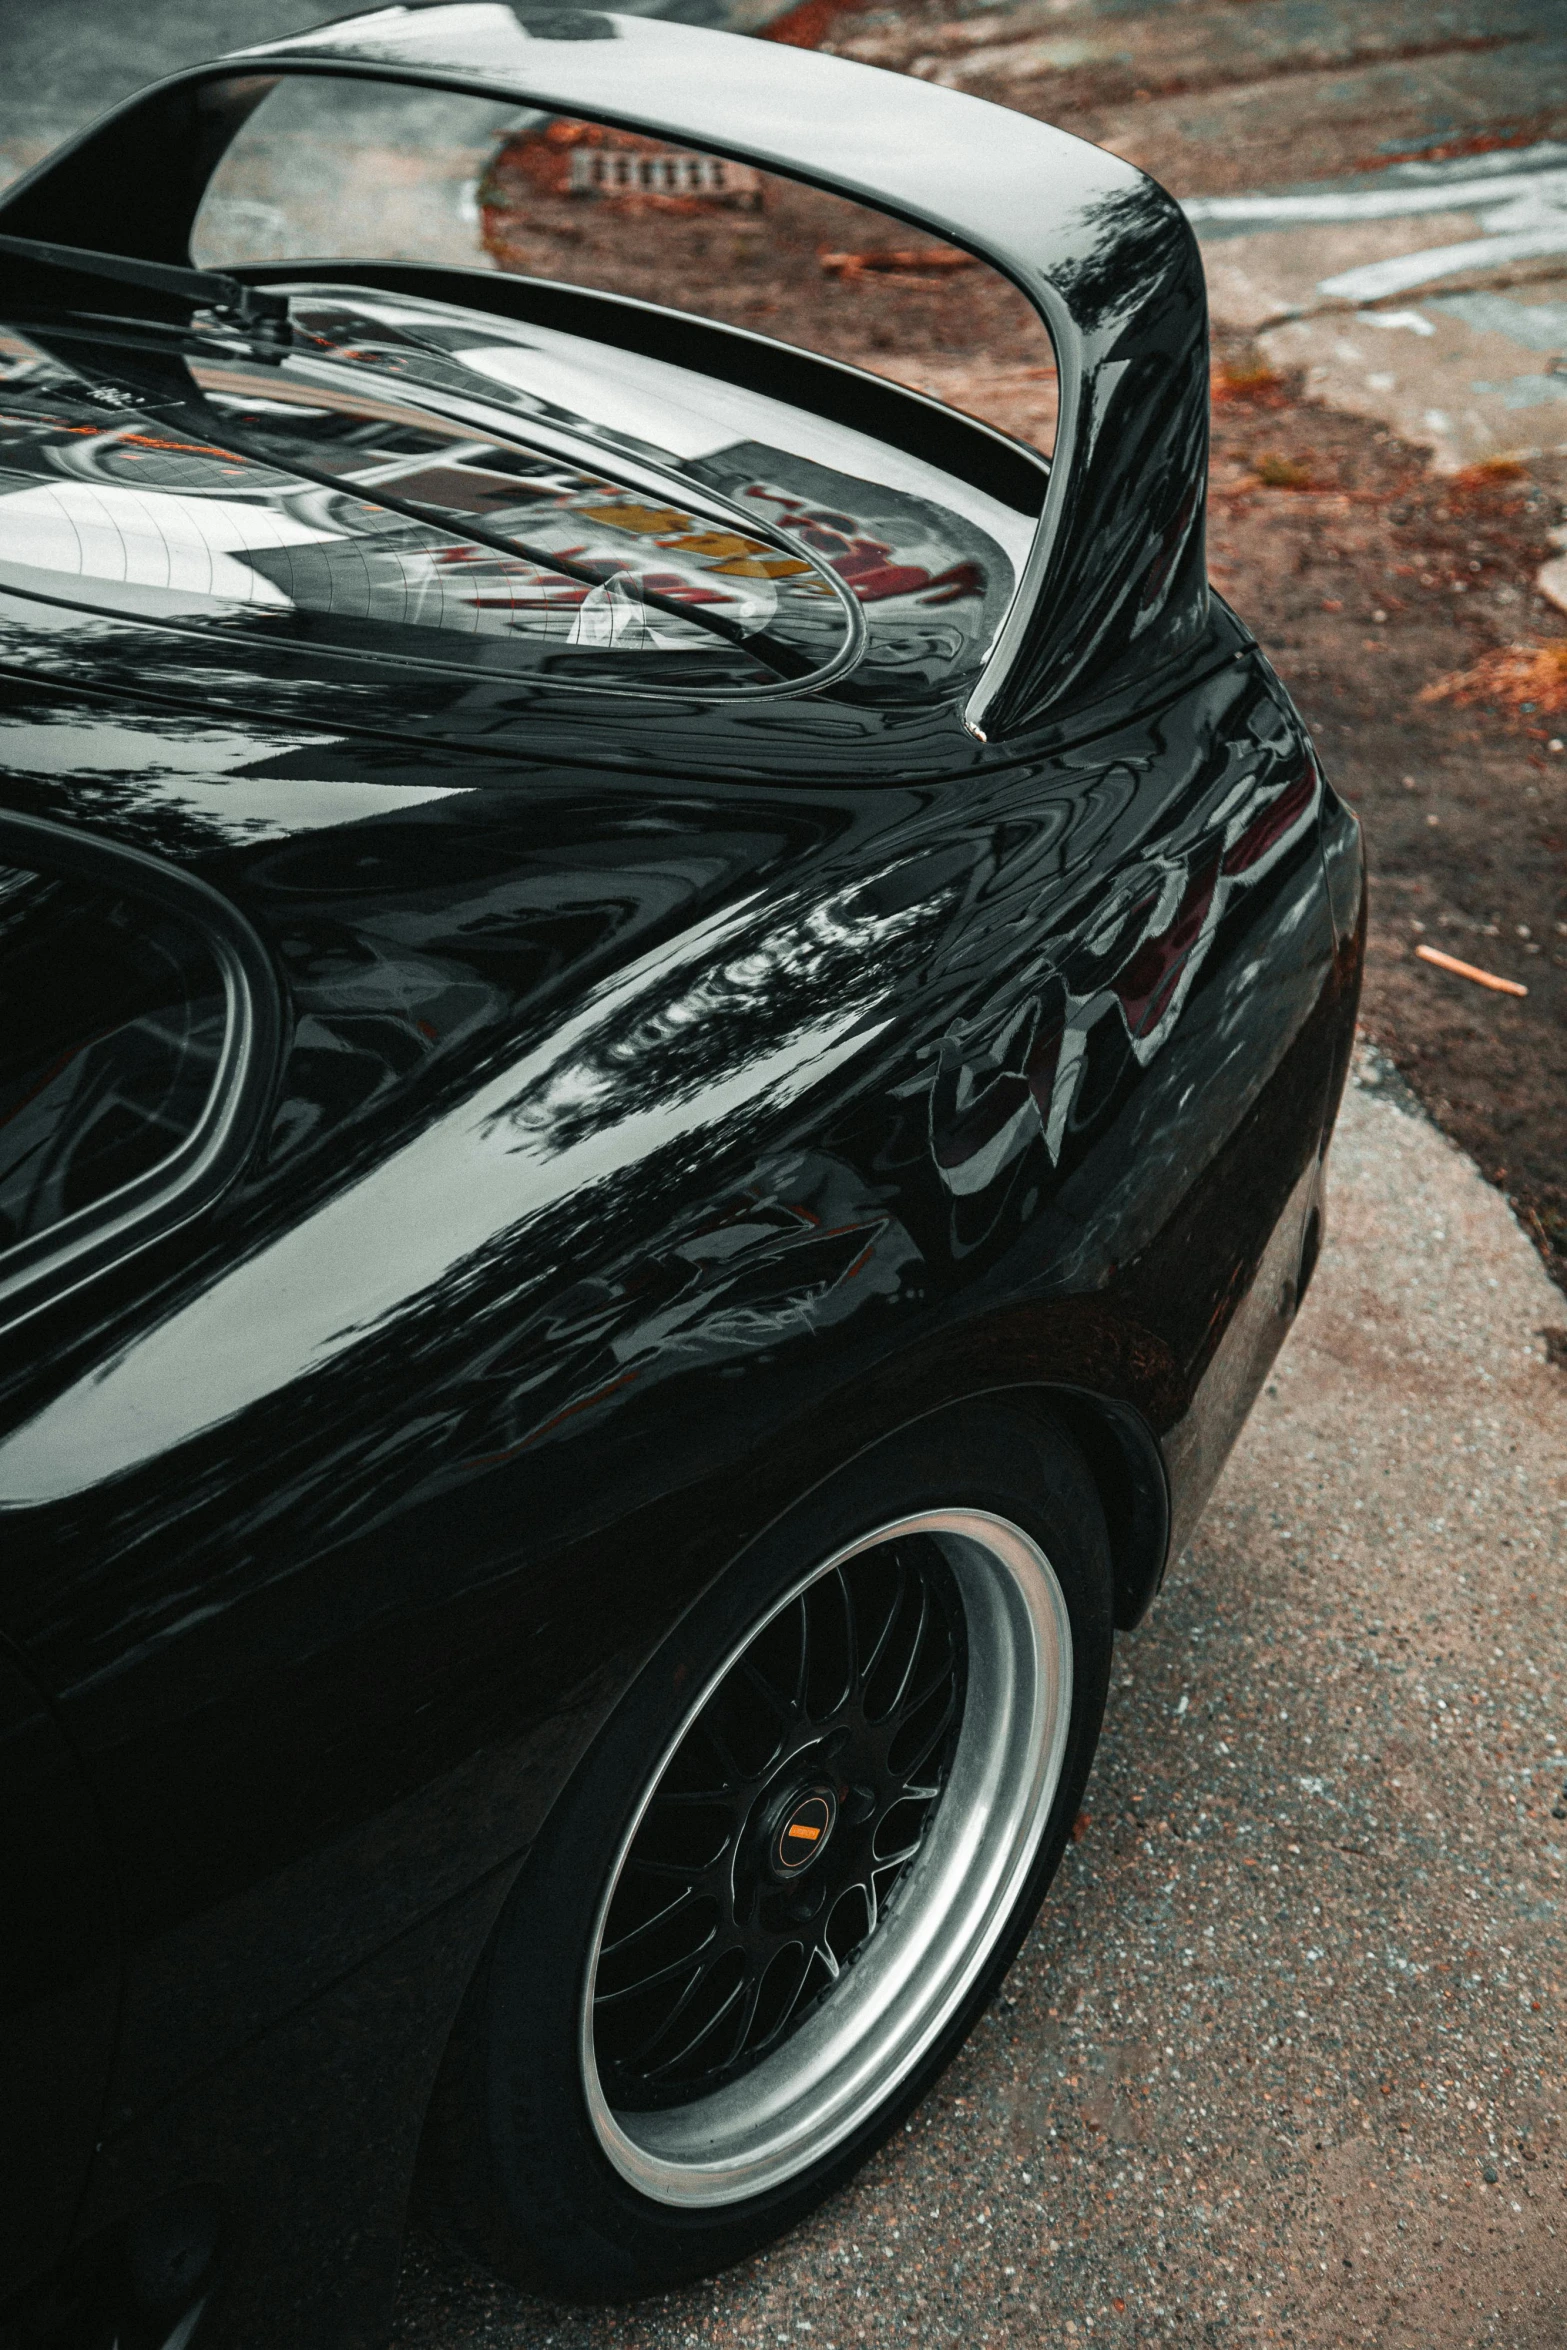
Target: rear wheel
[791,1872]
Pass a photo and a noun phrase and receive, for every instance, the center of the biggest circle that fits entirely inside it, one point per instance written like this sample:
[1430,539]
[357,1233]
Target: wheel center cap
[802,1832]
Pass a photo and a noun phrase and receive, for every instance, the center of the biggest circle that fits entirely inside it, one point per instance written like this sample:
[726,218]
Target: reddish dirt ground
[1369,582]
[764,270]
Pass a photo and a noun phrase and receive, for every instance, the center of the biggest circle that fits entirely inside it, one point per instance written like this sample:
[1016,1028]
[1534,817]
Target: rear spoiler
[1115,585]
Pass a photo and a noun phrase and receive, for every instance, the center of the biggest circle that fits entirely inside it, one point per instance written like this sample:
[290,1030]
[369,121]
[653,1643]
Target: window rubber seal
[51,1263]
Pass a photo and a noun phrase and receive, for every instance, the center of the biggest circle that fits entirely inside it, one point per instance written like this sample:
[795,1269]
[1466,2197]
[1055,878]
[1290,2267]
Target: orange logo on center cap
[803,1833]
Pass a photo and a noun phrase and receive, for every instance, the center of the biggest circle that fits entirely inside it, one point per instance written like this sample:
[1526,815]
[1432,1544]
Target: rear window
[419,485]
[394,537]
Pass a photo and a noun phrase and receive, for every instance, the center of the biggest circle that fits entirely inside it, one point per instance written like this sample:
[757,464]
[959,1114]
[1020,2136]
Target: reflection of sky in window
[149,538]
[653,403]
[153,516]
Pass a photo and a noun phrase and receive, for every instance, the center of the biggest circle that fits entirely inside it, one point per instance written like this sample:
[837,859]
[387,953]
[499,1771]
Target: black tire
[513,2166]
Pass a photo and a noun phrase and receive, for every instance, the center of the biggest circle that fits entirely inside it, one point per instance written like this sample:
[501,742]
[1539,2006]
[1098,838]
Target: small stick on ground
[1468,971]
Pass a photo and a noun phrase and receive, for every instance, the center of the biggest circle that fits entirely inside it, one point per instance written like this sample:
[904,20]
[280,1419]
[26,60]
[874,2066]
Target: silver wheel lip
[872,2031]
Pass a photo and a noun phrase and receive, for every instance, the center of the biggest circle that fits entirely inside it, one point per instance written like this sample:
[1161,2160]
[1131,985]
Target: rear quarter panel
[644,1151]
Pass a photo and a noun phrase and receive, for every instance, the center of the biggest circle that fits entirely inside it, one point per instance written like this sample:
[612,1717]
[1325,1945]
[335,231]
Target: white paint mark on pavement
[1404,271]
[1533,190]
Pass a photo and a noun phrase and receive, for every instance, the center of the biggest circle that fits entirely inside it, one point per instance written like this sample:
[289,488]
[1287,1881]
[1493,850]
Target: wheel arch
[1127,1467]
[1117,1445]
[1123,1458]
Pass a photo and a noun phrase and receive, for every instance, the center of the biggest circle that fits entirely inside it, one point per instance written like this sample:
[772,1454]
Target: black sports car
[671,1018]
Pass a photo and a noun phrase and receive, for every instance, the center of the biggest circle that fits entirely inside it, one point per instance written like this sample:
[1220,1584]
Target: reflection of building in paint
[1002,1082]
[800,1246]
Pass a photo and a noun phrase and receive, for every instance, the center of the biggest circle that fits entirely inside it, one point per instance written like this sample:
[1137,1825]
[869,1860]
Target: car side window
[114,1013]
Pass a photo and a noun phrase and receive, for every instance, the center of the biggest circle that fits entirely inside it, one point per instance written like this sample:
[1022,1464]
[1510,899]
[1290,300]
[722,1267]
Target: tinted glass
[416,484]
[342,517]
[113,1015]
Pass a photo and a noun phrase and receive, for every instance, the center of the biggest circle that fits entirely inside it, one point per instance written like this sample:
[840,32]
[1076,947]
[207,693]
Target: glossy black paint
[340,1561]
[665,1106]
[58,1976]
[221,1144]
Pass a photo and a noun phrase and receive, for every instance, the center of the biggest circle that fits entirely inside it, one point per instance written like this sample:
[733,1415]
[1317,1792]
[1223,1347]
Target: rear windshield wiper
[181,399]
[258,313]
[184,404]
[785,660]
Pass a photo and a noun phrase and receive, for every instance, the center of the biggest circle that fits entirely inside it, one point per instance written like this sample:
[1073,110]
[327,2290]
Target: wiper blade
[259,313]
[784,659]
[183,402]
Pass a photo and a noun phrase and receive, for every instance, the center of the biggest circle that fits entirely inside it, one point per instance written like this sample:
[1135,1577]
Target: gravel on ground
[1374,582]
[1282,2060]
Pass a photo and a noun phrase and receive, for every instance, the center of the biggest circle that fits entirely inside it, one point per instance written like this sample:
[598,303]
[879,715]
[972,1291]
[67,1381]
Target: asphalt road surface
[64,61]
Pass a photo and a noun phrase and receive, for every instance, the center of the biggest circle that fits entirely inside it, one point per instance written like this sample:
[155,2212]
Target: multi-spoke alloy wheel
[826,1856]
[790,1870]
